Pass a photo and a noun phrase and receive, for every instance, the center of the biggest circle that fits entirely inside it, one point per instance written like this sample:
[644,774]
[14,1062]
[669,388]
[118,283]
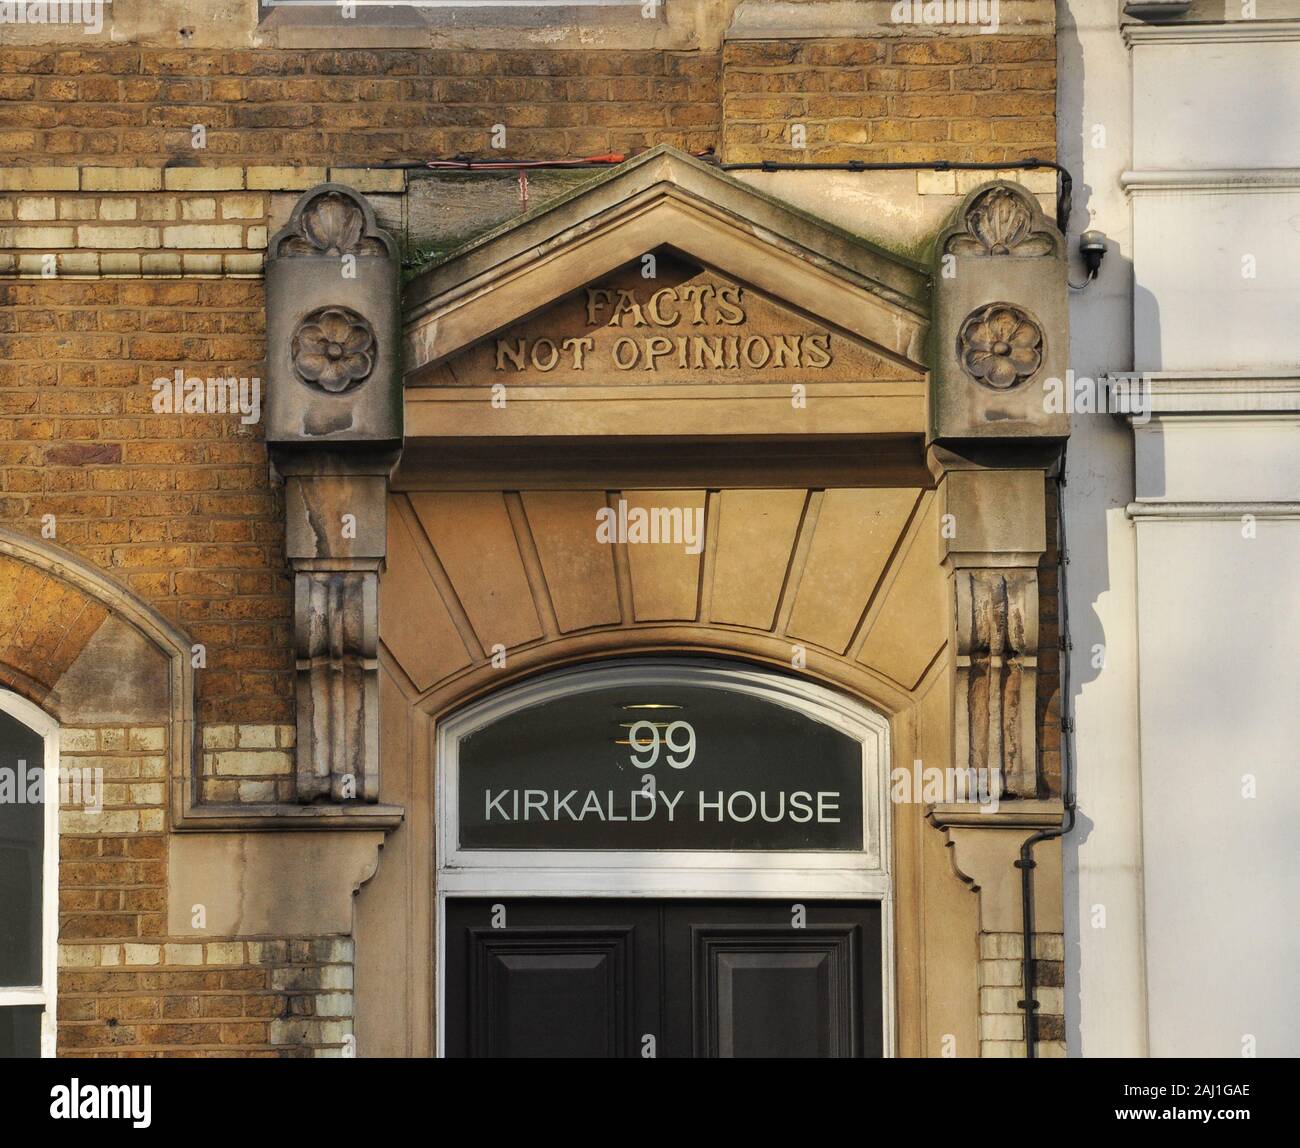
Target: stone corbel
[334,427]
[994,532]
[999,338]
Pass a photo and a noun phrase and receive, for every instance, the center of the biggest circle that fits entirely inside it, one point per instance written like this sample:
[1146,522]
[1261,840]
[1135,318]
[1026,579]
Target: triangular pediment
[742,279]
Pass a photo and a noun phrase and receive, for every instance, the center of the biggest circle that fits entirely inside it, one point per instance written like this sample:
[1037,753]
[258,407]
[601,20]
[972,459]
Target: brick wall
[300,107]
[128,988]
[180,507]
[971,98]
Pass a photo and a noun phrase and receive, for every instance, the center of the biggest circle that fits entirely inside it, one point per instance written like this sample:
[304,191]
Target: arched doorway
[670,856]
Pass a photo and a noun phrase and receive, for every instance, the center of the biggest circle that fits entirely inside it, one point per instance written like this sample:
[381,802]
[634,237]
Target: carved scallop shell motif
[332,224]
[1000,346]
[333,349]
[1000,223]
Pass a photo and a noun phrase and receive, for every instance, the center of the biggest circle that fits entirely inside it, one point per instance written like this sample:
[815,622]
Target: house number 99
[677,737]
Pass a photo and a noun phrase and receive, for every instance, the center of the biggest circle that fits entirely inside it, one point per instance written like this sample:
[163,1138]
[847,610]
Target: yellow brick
[78,956]
[146,794]
[77,740]
[284,178]
[6,209]
[198,235]
[110,954]
[257,238]
[220,736]
[243,207]
[175,954]
[160,207]
[117,237]
[201,264]
[146,737]
[226,953]
[121,179]
[936,183]
[161,263]
[78,209]
[200,209]
[38,179]
[370,179]
[79,263]
[142,954]
[257,736]
[243,264]
[45,238]
[117,209]
[36,207]
[115,821]
[119,263]
[251,764]
[152,820]
[204,179]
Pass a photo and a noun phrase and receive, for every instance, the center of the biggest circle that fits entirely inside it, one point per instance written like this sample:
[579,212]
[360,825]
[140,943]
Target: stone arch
[87,651]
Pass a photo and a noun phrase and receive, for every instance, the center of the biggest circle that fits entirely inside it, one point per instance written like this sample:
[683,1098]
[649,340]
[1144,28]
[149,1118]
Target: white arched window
[695,797]
[29,877]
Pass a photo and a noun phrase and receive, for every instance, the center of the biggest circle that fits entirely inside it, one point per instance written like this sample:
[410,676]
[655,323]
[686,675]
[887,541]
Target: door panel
[561,979]
[594,978]
[759,987]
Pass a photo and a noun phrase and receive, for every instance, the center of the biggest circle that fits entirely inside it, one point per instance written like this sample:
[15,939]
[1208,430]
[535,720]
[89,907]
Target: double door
[609,978]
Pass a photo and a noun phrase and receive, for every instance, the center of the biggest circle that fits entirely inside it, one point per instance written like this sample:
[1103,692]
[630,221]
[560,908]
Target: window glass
[22,849]
[20,1031]
[664,766]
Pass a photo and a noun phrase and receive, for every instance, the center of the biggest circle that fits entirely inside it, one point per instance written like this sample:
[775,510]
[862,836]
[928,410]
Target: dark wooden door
[597,978]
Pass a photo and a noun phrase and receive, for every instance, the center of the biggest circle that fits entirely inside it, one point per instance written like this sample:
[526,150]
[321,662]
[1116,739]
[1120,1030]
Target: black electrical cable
[1064,182]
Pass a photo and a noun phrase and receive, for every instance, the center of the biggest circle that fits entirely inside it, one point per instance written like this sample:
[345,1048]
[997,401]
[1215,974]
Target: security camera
[1092,246]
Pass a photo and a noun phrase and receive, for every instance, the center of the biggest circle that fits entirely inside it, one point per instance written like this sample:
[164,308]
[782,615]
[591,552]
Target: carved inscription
[690,327]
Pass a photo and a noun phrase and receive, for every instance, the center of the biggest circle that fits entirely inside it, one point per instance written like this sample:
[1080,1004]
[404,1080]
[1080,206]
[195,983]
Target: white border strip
[47,992]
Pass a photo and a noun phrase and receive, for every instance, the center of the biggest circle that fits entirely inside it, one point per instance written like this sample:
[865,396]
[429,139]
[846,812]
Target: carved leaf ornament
[332,224]
[999,222]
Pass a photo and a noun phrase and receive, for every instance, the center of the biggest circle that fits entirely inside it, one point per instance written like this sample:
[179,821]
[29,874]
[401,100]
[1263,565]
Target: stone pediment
[661,282]
[687,325]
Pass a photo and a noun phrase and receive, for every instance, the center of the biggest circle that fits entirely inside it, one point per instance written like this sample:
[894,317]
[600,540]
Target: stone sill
[1011,814]
[283,816]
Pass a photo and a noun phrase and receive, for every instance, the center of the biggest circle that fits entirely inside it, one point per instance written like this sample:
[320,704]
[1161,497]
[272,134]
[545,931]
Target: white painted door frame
[46,993]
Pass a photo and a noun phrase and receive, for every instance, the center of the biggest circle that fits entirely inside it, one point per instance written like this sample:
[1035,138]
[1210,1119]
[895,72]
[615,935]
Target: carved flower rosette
[1000,346]
[333,349]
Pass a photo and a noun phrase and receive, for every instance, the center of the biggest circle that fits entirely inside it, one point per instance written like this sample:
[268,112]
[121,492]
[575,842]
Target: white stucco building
[1183,528]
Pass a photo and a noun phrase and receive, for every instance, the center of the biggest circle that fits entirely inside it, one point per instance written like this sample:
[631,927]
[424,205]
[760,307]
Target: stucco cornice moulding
[795,20]
[1223,511]
[1234,394]
[1227,32]
[1215,181]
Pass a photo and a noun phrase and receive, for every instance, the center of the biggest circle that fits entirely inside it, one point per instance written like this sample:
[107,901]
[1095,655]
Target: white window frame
[46,993]
[665,874]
